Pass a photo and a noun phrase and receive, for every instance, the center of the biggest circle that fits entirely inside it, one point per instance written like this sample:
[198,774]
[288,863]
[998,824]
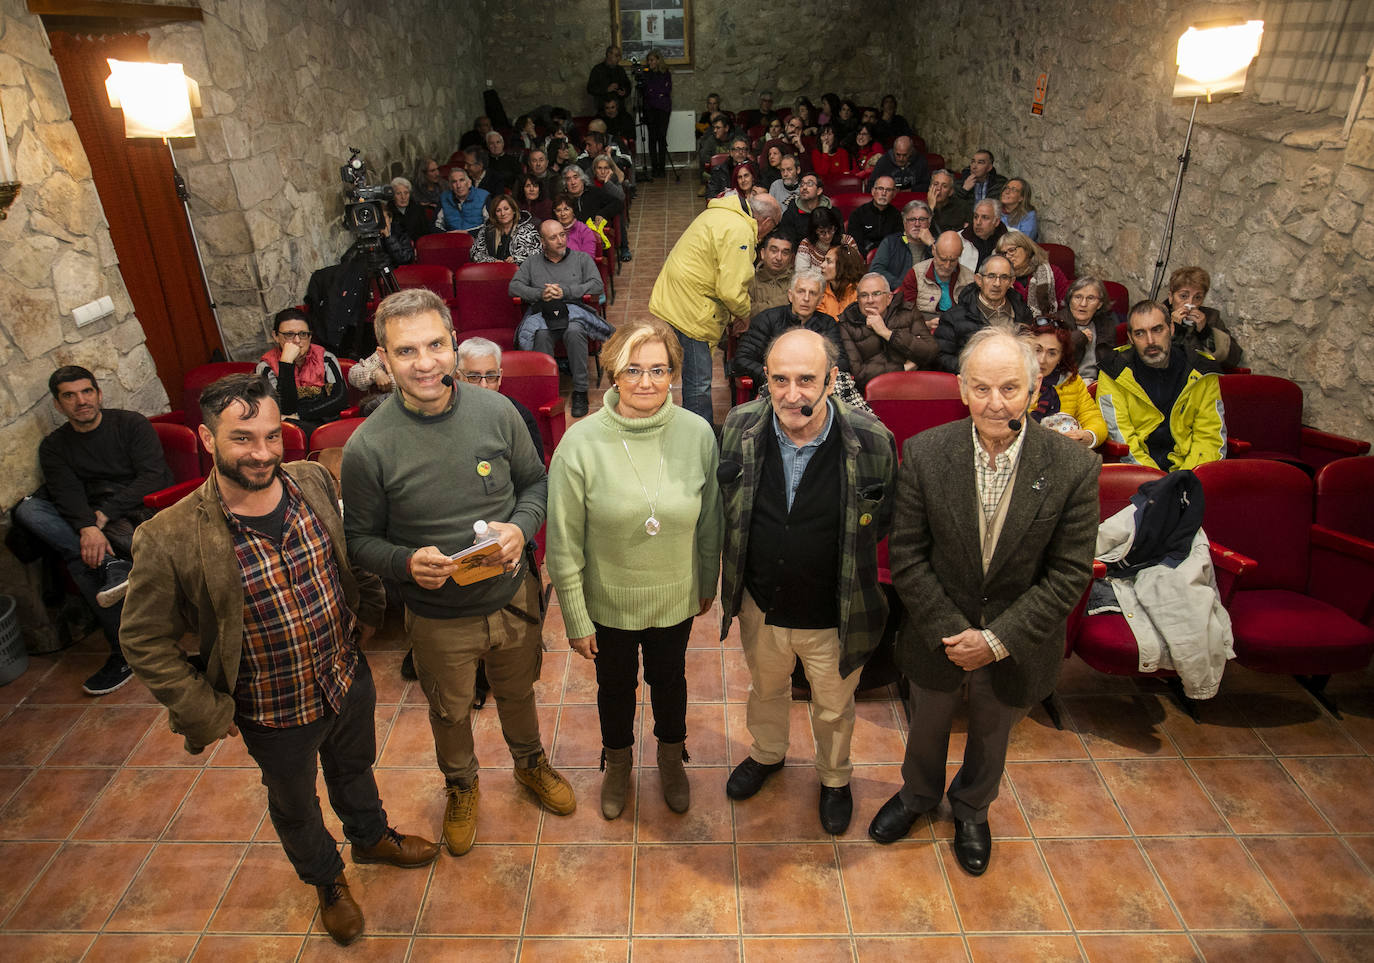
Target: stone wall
[806,47]
[287,89]
[1274,205]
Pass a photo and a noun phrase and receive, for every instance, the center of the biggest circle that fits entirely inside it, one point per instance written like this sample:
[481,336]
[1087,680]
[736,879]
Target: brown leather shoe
[339,912]
[406,852]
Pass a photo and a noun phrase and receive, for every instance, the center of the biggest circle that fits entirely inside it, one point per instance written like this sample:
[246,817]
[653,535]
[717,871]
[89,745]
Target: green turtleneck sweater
[604,564]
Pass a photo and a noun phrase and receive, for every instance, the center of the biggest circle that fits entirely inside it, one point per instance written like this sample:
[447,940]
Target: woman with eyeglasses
[1062,391]
[1088,312]
[634,540]
[308,380]
[1040,283]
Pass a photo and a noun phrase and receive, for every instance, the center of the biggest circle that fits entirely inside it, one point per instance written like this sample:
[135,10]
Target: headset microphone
[448,382]
[1014,424]
[807,411]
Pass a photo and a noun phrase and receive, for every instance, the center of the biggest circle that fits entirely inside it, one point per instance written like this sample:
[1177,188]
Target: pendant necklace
[651,524]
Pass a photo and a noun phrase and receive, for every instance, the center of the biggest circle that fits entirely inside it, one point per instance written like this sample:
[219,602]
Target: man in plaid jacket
[807,484]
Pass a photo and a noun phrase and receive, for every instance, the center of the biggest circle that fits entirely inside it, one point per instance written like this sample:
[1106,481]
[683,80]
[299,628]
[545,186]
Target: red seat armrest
[1340,444]
[1237,447]
[172,494]
[1231,567]
[352,411]
[552,408]
[1329,538]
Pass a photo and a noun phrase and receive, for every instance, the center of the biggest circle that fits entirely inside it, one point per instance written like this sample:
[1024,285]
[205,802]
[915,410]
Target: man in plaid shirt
[253,563]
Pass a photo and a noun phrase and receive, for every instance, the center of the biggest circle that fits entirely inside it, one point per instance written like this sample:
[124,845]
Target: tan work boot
[677,791]
[339,912]
[615,785]
[554,792]
[460,818]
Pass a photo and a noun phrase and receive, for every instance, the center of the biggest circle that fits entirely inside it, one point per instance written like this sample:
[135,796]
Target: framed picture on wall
[662,25]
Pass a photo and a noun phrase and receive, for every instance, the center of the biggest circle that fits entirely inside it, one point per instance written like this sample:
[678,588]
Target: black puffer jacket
[767,325]
[965,319]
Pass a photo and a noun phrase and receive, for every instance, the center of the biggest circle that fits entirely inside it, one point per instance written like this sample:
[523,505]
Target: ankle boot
[677,791]
[615,785]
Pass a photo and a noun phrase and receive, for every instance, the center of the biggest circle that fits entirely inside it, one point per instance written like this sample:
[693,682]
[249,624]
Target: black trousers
[345,743]
[617,680]
[657,122]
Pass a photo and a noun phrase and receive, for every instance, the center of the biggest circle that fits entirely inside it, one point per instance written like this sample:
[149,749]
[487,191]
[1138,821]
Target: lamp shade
[156,98]
[1213,59]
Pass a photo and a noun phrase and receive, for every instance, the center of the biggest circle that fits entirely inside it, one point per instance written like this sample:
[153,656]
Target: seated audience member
[990,300]
[608,79]
[772,133]
[534,197]
[406,212]
[706,118]
[875,219]
[715,141]
[841,267]
[803,296]
[552,283]
[476,137]
[824,232]
[828,157]
[1062,391]
[1018,213]
[980,178]
[537,166]
[770,162]
[865,152]
[898,253]
[1039,282]
[772,278]
[830,109]
[891,124]
[561,123]
[508,235]
[933,286]
[846,122]
[806,115]
[461,206]
[1088,312]
[792,133]
[477,164]
[371,377]
[882,334]
[580,236]
[479,364]
[96,469]
[785,189]
[619,123]
[908,169]
[307,379]
[592,205]
[562,154]
[598,142]
[506,166]
[526,133]
[429,182]
[1161,399]
[1200,328]
[766,112]
[607,176]
[947,211]
[722,173]
[797,216]
[746,181]
[984,230]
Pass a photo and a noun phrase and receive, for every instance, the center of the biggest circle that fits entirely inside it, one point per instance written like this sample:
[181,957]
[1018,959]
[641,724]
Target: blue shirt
[946,302]
[794,459]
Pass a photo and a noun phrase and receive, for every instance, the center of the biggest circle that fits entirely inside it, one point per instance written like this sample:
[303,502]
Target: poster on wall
[662,25]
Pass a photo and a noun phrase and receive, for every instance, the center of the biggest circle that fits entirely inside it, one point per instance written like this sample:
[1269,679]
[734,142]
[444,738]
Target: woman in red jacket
[828,157]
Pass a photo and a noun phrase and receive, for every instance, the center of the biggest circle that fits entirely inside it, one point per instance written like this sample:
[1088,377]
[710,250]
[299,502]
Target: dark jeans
[42,518]
[657,122]
[617,679]
[346,745]
[575,342]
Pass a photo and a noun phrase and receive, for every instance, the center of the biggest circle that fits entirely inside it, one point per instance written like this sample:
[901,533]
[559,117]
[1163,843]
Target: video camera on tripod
[365,207]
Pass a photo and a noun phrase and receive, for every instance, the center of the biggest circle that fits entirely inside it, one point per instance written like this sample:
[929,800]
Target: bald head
[901,150]
[948,247]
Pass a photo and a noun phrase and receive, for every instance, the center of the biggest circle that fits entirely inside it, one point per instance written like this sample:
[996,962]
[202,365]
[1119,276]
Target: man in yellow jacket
[1161,398]
[705,281]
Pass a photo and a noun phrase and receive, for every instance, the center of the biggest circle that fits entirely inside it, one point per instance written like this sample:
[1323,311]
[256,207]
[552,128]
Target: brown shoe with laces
[554,792]
[407,852]
[339,912]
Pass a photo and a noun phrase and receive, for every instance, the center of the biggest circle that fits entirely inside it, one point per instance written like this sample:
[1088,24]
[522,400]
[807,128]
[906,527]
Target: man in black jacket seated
[989,300]
[97,468]
[800,312]
[589,201]
[875,220]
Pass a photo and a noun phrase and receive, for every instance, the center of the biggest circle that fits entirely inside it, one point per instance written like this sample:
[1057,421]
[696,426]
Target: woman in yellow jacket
[1062,391]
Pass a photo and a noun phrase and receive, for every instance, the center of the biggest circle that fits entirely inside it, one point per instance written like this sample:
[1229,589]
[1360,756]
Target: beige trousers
[770,651]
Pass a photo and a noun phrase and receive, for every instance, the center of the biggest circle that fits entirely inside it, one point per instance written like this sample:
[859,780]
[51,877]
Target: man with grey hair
[803,297]
[807,486]
[907,168]
[948,211]
[479,363]
[990,301]
[784,189]
[505,166]
[898,252]
[876,219]
[987,583]
[589,201]
[985,229]
[428,464]
[881,333]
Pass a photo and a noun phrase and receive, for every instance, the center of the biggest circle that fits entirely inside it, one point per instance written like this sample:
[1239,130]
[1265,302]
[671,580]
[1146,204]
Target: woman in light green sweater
[634,539]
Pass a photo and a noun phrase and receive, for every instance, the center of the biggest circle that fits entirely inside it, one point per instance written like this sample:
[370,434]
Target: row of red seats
[453,250]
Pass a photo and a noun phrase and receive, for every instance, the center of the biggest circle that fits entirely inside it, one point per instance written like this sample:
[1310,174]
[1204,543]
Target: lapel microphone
[1014,424]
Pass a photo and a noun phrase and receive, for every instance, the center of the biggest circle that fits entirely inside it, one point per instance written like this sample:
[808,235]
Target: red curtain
[134,179]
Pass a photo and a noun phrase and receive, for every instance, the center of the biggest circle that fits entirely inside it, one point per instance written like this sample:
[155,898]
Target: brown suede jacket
[186,579]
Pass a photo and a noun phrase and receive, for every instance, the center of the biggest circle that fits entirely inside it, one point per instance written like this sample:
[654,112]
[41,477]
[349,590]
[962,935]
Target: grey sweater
[576,274]
[412,480]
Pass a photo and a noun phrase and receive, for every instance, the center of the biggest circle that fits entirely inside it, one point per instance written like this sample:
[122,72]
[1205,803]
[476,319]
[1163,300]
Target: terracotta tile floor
[1133,834]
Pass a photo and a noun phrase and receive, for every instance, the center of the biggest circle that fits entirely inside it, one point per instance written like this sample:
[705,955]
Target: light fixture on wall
[1212,60]
[9,184]
[158,100]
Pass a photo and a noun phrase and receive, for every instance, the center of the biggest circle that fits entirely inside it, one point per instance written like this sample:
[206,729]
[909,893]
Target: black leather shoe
[748,778]
[579,404]
[837,806]
[972,846]
[893,821]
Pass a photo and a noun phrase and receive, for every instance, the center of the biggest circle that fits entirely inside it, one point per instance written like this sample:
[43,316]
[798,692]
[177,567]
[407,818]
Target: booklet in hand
[481,561]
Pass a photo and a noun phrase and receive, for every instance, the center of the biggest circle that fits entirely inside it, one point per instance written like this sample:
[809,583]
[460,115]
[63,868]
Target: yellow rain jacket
[705,280]
[1196,420]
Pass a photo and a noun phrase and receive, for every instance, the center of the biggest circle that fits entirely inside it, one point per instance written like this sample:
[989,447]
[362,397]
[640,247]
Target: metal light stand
[184,196]
[1166,243]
